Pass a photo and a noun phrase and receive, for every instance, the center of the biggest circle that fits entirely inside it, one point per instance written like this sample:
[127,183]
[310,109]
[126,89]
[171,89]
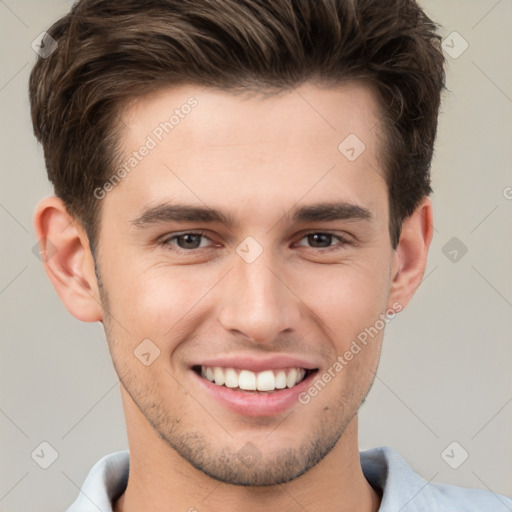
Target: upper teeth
[268,380]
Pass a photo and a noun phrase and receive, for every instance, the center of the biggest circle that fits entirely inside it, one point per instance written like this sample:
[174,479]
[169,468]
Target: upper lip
[258,364]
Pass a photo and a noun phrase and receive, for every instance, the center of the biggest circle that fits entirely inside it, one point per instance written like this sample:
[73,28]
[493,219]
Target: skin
[209,302]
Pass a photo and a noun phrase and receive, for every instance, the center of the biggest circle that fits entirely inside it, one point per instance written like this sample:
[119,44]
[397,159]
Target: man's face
[267,293]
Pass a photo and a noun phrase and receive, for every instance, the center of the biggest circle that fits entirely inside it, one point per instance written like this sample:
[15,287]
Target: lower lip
[253,403]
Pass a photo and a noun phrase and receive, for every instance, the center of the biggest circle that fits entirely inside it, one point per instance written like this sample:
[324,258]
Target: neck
[161,481]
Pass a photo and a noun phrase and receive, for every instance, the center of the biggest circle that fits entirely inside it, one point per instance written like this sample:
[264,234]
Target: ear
[67,259]
[411,255]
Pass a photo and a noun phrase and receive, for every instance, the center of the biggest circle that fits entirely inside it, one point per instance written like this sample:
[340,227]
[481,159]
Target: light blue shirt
[402,489]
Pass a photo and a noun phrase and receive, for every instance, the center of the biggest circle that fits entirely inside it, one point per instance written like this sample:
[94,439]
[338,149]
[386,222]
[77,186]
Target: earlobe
[67,259]
[411,254]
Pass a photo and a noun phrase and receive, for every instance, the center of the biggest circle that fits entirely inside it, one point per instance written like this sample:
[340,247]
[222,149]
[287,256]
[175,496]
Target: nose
[257,302]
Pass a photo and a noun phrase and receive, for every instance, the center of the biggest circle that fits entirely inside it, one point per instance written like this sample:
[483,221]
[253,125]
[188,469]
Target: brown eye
[186,241]
[319,240]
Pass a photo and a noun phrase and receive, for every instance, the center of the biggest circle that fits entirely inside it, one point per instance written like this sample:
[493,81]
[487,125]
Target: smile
[247,380]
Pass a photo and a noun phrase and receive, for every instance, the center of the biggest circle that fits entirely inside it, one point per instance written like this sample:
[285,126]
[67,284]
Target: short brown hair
[111,51]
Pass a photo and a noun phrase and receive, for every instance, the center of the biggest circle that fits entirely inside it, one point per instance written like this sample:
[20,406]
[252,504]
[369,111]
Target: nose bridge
[255,301]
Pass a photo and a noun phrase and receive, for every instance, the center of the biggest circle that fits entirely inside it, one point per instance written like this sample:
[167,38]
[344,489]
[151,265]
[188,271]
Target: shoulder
[405,490]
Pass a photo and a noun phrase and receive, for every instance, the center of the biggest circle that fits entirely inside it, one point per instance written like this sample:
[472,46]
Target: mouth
[247,381]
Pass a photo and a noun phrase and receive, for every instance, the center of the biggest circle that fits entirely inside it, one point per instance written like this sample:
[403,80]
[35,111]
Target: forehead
[322,110]
[215,147]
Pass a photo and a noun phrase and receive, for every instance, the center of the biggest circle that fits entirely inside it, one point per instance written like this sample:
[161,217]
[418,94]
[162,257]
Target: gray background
[445,370]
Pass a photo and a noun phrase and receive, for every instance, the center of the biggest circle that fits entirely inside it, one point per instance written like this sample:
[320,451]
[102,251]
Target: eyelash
[166,242]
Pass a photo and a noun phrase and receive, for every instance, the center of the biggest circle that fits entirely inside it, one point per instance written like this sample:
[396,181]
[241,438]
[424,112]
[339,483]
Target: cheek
[162,303]
[348,297]
[148,294]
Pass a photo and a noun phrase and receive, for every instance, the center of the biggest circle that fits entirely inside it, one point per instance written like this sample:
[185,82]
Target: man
[241,193]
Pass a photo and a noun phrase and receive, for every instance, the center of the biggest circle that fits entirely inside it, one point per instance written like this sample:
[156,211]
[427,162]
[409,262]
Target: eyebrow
[321,212]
